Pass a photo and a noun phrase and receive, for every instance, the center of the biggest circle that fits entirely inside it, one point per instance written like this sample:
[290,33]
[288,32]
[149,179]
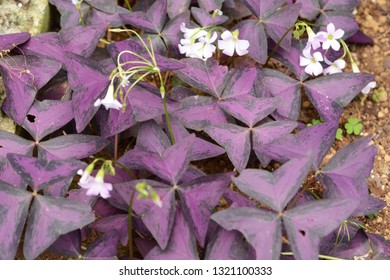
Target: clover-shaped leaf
[353,126]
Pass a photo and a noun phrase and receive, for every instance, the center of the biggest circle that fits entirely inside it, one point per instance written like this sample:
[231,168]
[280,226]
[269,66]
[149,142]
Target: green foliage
[339,134]
[314,122]
[353,126]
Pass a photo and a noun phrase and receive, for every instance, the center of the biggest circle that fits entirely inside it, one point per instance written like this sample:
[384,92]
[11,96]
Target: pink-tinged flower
[109,100]
[231,43]
[314,41]
[85,176]
[331,37]
[335,67]
[96,185]
[75,2]
[312,63]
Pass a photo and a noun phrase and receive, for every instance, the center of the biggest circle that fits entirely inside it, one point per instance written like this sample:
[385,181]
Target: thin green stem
[277,45]
[128,5]
[130,225]
[168,121]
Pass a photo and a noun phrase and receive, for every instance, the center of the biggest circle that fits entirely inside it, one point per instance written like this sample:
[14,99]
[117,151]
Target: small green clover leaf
[314,122]
[339,134]
[353,126]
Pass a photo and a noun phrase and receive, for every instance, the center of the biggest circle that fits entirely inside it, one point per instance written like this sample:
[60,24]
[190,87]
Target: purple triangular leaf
[70,16]
[380,247]
[254,32]
[159,221]
[345,175]
[287,89]
[274,189]
[173,162]
[114,223]
[46,117]
[307,224]
[68,244]
[71,146]
[89,80]
[267,133]
[14,205]
[228,245]
[22,77]
[234,198]
[206,76]
[197,112]
[310,9]
[97,17]
[236,141]
[250,110]
[104,248]
[261,229]
[360,38]
[330,102]
[172,34]
[201,149]
[239,83]
[263,8]
[175,7]
[280,22]
[151,21]
[199,198]
[107,6]
[81,40]
[210,5]
[206,19]
[10,41]
[11,143]
[311,141]
[51,217]
[151,138]
[39,173]
[181,246]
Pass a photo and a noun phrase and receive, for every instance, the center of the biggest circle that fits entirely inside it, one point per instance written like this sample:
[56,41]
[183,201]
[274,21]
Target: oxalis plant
[104,164]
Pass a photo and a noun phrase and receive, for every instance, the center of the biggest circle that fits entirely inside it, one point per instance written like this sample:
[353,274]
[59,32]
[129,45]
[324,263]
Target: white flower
[192,33]
[74,2]
[109,101]
[331,37]
[314,41]
[368,87]
[335,67]
[231,43]
[190,48]
[85,176]
[312,63]
[208,48]
[96,185]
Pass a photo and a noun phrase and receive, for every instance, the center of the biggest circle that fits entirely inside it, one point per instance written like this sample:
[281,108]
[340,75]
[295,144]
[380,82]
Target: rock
[381,115]
[33,16]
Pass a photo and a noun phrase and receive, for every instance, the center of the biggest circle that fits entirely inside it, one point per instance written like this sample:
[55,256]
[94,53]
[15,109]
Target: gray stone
[24,16]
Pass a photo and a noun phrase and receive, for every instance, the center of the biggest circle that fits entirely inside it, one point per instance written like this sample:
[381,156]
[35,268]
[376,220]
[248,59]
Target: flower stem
[128,5]
[277,45]
[130,225]
[168,121]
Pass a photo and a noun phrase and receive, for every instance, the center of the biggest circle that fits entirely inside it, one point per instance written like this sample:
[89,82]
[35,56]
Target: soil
[374,18]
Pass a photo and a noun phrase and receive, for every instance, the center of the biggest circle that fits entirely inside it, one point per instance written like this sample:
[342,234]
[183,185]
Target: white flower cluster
[312,59]
[199,43]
